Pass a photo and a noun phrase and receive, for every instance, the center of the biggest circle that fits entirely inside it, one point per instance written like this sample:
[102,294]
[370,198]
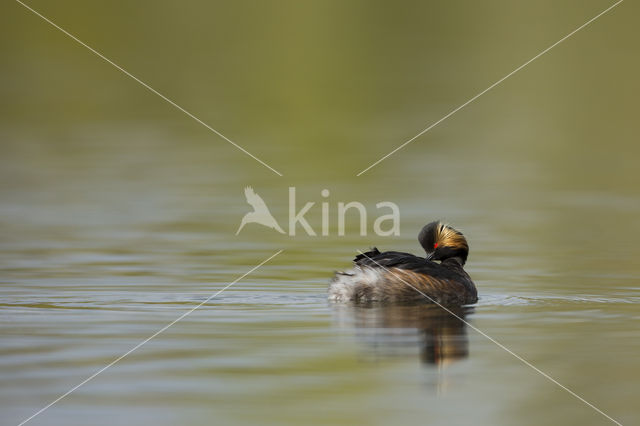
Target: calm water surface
[118,214]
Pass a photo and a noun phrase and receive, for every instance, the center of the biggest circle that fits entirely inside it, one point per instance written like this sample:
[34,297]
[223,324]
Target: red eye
[435,245]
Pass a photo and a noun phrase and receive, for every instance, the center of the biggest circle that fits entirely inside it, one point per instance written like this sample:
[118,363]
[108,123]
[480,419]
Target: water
[118,213]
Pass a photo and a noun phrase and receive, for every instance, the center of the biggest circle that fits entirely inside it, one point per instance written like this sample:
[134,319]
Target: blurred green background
[118,212]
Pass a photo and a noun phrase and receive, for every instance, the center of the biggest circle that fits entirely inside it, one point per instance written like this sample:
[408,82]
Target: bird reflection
[401,330]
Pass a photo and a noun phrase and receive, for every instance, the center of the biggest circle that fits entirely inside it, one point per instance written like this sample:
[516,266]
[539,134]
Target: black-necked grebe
[402,277]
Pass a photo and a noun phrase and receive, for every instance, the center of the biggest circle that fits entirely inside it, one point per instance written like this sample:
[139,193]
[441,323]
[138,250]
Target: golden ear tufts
[447,236]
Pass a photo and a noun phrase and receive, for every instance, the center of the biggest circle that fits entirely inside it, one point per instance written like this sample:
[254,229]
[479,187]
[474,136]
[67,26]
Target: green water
[118,213]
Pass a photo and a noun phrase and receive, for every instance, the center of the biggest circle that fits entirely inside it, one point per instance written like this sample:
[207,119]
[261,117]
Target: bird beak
[430,255]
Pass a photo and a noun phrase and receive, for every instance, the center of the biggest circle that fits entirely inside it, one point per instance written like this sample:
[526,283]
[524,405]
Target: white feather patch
[343,286]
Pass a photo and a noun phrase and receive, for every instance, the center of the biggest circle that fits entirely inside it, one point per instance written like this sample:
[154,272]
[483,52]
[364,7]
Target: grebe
[402,277]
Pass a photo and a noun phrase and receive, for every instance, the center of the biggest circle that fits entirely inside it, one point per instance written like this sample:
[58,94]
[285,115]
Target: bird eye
[435,245]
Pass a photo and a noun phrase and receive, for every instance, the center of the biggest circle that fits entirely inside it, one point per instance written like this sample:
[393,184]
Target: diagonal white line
[146,86]
[500,345]
[149,338]
[491,87]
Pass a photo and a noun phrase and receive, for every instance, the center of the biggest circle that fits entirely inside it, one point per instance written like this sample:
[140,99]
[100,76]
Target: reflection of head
[445,339]
[441,336]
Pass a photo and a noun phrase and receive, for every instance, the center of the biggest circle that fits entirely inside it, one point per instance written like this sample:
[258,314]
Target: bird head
[442,242]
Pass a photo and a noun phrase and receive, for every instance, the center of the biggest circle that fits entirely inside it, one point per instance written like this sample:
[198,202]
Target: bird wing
[364,257]
[407,261]
[254,200]
[390,259]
